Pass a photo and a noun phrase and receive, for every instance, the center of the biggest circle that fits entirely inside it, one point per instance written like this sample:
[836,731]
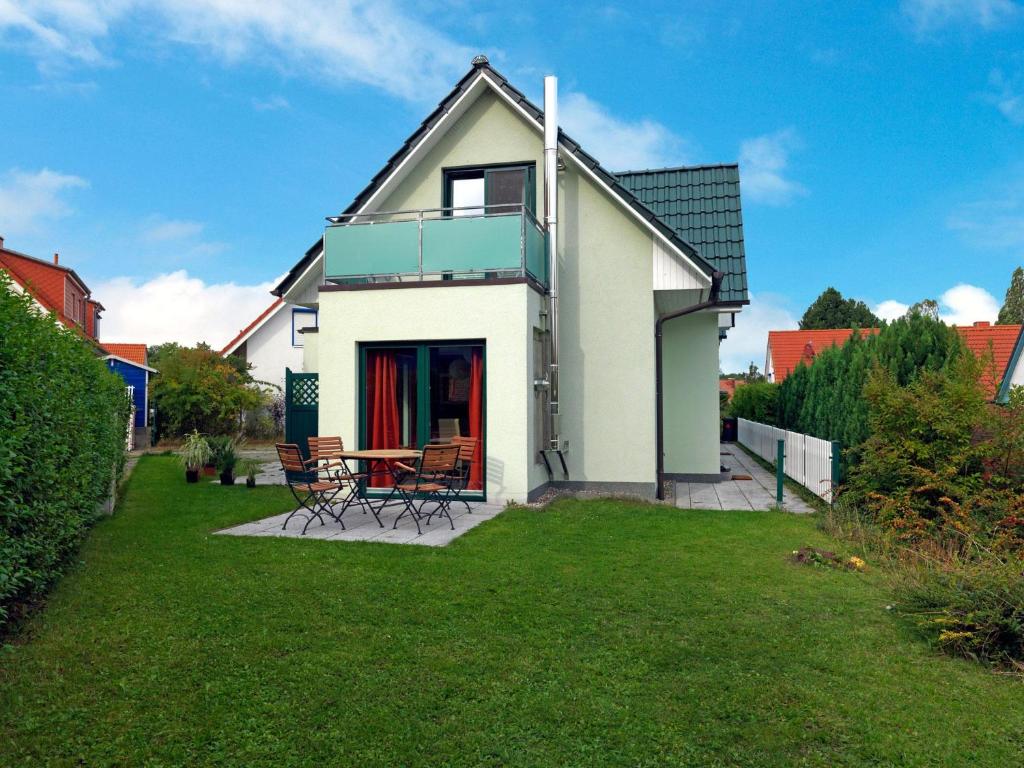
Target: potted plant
[250,475]
[194,454]
[226,458]
[216,446]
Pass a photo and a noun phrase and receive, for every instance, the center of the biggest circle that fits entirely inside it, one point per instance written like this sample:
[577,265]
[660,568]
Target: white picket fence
[808,460]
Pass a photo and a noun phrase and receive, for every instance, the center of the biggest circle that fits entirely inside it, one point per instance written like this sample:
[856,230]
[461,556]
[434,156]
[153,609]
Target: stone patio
[363,527]
[757,493]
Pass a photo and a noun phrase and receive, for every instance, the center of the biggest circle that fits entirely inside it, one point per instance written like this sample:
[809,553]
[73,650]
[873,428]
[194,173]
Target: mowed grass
[588,634]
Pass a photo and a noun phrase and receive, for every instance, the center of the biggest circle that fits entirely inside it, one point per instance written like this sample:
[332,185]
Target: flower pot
[250,482]
[209,470]
[227,478]
[191,475]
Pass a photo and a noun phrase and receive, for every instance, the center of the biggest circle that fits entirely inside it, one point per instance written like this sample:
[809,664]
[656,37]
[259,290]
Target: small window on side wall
[302,318]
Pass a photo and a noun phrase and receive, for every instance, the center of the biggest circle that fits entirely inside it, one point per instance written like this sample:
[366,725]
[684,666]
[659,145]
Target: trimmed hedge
[63,418]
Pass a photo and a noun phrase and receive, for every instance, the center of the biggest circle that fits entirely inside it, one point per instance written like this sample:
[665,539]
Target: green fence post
[780,461]
[837,469]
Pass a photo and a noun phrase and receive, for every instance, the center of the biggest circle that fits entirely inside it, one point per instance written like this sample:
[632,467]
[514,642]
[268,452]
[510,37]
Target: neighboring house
[729,386]
[131,363]
[787,349]
[275,340]
[55,288]
[1014,373]
[982,337]
[439,313]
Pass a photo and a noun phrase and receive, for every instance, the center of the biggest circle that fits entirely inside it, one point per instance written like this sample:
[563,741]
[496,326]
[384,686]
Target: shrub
[63,418]
[197,389]
[969,605]
[826,399]
[756,401]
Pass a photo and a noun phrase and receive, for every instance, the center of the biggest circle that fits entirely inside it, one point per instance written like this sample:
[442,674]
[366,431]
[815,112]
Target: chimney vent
[982,324]
[1,241]
[56,258]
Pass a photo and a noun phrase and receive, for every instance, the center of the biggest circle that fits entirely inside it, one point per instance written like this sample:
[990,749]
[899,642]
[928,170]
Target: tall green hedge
[826,399]
[63,418]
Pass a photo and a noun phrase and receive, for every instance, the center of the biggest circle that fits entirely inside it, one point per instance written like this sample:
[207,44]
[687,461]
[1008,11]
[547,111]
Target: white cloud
[271,104]
[890,309]
[158,229]
[371,43]
[619,144]
[177,307]
[748,341]
[1006,96]
[962,304]
[929,16]
[763,162]
[30,198]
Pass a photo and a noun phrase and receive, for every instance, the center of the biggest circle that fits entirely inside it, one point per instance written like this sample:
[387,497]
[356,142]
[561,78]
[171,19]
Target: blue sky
[181,154]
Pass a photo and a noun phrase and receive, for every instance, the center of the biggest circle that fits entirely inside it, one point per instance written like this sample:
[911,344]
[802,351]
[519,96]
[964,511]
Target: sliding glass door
[416,393]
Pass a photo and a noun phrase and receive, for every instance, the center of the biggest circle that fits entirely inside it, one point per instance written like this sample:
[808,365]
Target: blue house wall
[133,376]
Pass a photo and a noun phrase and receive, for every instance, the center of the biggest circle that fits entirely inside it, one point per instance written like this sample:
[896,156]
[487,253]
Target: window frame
[476,171]
[298,343]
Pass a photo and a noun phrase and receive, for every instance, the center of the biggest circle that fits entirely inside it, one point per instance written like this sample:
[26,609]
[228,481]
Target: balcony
[500,241]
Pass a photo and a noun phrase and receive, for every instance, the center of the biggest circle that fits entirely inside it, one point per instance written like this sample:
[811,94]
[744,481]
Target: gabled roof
[1000,339]
[788,348]
[702,205]
[135,353]
[42,264]
[1016,359]
[133,363]
[481,67]
[252,327]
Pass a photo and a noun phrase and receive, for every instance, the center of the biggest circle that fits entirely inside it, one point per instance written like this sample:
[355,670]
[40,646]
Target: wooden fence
[810,461]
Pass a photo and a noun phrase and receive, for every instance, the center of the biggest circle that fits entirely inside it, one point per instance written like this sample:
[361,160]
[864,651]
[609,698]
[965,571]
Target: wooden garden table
[380,461]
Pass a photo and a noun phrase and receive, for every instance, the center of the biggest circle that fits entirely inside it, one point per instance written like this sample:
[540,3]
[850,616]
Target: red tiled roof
[1000,339]
[245,331]
[45,281]
[788,348]
[729,386]
[135,353]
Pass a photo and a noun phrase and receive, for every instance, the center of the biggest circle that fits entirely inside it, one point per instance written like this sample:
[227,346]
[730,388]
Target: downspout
[551,225]
[659,395]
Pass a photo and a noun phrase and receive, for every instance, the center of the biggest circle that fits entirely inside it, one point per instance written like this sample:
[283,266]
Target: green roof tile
[702,206]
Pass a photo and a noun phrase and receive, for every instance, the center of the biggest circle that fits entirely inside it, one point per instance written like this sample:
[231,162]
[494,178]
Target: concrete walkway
[757,493]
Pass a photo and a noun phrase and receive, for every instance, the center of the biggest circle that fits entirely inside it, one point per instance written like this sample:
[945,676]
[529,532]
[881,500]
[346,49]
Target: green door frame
[423,395]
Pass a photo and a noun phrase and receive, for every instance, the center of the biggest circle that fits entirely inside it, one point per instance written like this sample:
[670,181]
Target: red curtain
[476,417]
[382,403]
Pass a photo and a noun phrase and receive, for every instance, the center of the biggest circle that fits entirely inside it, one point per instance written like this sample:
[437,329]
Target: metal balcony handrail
[508,209]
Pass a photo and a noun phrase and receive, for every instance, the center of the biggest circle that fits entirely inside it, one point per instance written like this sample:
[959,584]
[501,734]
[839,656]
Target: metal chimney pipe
[551,224]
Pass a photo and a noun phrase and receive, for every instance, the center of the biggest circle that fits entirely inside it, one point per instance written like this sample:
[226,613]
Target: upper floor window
[475,191]
[302,318]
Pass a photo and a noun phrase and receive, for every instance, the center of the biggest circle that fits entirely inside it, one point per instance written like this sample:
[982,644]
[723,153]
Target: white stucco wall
[690,386]
[310,352]
[269,349]
[496,314]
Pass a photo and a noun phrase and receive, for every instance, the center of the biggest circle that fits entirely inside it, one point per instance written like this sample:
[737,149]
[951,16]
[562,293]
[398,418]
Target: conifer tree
[1012,311]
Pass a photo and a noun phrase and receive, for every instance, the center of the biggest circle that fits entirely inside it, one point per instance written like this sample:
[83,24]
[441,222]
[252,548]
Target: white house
[495,281]
[274,341]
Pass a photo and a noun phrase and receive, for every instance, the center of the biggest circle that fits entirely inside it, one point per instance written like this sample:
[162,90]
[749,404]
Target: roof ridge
[676,168]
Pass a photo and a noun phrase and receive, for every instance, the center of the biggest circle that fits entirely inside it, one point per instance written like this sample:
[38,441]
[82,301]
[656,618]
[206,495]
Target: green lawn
[590,634]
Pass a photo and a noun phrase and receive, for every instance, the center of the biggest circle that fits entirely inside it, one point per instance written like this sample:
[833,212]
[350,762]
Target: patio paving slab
[363,527]
[758,493]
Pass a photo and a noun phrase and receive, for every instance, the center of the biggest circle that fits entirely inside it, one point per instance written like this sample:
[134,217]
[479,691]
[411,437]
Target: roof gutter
[659,394]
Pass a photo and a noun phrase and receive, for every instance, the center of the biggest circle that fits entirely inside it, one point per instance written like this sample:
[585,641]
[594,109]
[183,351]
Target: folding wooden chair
[433,476]
[326,453]
[312,494]
[467,455]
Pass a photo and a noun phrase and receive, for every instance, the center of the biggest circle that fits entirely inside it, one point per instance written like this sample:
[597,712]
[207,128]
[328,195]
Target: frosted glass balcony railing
[437,244]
